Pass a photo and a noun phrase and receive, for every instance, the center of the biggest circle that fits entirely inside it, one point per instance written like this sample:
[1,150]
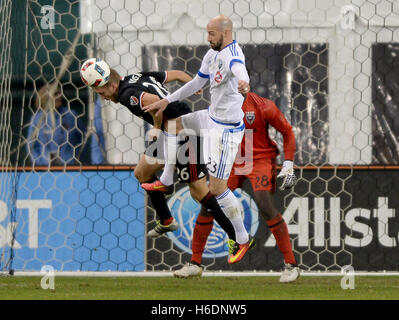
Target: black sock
[196,263]
[210,203]
[160,205]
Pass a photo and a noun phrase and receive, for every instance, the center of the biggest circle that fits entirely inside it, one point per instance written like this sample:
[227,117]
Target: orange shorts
[262,176]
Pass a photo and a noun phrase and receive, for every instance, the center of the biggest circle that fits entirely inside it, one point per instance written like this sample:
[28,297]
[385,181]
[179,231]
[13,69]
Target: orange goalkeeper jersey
[259,113]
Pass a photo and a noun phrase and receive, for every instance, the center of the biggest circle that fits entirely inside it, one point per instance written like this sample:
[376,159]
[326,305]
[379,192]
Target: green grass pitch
[205,288]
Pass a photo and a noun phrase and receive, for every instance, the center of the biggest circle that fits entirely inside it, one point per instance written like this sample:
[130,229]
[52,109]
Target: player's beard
[218,45]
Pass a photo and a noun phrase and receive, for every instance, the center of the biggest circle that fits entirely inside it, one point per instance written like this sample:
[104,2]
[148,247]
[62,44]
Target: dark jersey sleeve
[133,87]
[159,76]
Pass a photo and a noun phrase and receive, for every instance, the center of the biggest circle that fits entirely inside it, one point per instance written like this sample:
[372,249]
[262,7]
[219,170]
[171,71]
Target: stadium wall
[95,221]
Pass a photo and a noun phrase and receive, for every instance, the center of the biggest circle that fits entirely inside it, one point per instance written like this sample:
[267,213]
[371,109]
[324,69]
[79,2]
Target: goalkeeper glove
[287,174]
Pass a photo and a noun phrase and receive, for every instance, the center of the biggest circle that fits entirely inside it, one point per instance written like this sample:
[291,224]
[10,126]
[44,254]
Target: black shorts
[190,165]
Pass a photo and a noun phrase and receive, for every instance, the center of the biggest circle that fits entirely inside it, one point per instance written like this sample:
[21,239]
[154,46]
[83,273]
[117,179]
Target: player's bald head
[220,31]
[220,23]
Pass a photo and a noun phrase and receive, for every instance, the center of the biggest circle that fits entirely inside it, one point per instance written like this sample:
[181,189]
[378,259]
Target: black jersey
[132,88]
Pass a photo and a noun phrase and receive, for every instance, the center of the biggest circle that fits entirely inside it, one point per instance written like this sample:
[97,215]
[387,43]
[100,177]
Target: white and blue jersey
[226,101]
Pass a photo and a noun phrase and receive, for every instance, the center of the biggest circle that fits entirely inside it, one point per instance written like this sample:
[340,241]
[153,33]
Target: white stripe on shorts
[225,152]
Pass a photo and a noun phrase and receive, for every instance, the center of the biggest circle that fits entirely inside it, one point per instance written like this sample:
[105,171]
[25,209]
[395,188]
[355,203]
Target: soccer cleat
[231,246]
[290,273]
[160,229]
[155,186]
[189,270]
[240,250]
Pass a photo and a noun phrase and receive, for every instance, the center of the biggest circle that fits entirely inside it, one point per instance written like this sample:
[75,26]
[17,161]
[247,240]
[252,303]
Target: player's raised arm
[177,75]
[187,90]
[181,76]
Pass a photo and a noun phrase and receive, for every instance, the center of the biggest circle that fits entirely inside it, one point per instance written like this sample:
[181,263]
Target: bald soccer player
[221,125]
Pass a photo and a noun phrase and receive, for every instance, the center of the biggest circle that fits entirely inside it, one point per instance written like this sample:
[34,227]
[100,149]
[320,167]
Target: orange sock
[279,229]
[202,229]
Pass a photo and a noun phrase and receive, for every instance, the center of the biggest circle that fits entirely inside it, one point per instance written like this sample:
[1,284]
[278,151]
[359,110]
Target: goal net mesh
[69,197]
[8,178]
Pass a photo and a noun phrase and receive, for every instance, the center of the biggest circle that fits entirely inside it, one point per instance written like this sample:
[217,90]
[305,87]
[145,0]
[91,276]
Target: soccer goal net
[69,197]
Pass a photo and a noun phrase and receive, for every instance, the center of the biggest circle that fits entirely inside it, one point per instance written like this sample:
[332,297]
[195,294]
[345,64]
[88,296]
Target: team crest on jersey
[250,116]
[218,77]
[134,101]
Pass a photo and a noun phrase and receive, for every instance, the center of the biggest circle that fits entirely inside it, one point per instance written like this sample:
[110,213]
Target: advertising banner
[86,221]
[343,217]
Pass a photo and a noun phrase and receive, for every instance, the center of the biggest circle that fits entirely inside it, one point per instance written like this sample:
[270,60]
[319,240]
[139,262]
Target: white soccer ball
[95,72]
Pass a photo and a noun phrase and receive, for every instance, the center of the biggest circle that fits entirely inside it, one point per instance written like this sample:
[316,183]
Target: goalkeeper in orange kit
[260,113]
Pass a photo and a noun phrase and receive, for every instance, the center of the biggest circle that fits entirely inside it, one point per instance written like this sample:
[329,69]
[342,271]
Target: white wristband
[288,164]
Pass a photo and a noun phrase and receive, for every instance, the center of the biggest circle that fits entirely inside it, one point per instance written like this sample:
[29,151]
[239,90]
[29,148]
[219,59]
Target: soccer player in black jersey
[136,91]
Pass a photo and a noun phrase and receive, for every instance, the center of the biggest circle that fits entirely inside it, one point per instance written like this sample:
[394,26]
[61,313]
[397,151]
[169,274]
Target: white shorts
[221,141]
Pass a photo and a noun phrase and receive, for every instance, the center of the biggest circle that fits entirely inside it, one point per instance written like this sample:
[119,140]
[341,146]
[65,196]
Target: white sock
[170,153]
[232,209]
